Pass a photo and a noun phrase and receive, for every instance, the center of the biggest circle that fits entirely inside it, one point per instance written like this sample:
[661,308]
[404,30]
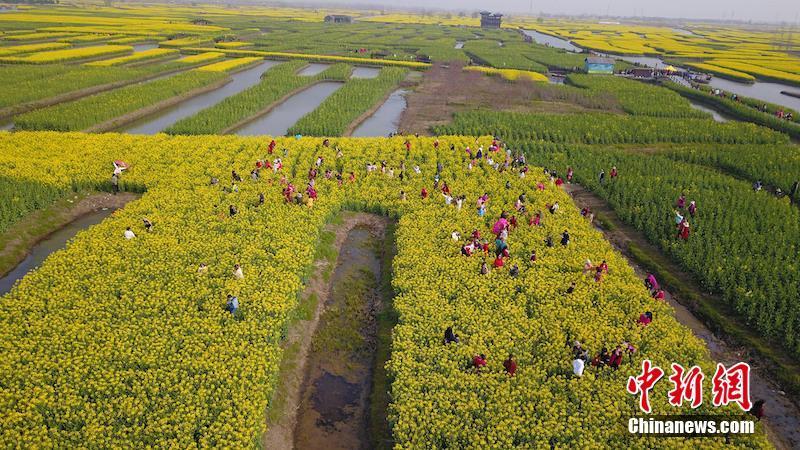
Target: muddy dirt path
[326,389]
[782,419]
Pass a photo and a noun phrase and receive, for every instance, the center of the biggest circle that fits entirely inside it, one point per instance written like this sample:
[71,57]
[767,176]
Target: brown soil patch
[782,419]
[447,89]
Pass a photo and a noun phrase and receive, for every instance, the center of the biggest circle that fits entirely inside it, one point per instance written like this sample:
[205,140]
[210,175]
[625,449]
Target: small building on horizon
[490,20]
[596,64]
[338,18]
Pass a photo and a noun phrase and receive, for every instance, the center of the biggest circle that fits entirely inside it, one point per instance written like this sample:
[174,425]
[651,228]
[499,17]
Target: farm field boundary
[16,241]
[85,92]
[712,313]
[123,120]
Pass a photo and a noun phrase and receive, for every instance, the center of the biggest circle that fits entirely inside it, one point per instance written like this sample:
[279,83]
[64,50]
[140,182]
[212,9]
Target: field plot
[472,279]
[218,396]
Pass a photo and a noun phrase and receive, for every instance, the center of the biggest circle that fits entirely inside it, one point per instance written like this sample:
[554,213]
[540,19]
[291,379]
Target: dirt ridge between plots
[782,418]
[280,432]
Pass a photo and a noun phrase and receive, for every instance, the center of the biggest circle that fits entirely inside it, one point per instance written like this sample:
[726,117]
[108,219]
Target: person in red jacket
[478,362]
[616,358]
[408,145]
[659,295]
[510,365]
[424,193]
[570,173]
[271,146]
[683,230]
[498,262]
[614,172]
[645,318]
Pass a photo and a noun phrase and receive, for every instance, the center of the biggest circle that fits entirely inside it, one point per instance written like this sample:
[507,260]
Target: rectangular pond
[386,119]
[313,69]
[278,120]
[365,72]
[163,119]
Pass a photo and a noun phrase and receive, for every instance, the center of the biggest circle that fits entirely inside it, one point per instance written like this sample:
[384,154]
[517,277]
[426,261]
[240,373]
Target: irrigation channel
[279,119]
[163,119]
[143,47]
[766,91]
[552,41]
[54,242]
[333,394]
[365,72]
[386,119]
[313,69]
[717,116]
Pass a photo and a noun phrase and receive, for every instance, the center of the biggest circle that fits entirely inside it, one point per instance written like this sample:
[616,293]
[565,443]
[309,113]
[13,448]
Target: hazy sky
[760,10]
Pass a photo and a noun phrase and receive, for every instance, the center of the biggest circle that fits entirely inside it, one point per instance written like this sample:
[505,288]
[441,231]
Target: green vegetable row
[338,111]
[275,84]
[598,128]
[97,109]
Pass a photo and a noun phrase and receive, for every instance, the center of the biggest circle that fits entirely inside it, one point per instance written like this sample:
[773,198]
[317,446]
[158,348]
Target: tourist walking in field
[578,367]
[681,202]
[692,208]
[651,282]
[129,234]
[450,337]
[510,365]
[479,362]
[658,294]
[232,305]
[616,358]
[202,269]
[115,183]
[683,230]
[237,272]
[645,318]
[565,238]
[614,172]
[602,176]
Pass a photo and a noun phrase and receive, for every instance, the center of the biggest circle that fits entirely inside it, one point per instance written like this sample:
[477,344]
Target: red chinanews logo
[731,385]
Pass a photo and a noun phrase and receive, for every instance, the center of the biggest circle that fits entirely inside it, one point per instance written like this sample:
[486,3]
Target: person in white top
[237,272]
[129,234]
[455,235]
[448,200]
[577,367]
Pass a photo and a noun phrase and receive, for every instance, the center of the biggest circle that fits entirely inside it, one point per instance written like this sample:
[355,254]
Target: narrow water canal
[365,72]
[278,121]
[552,41]
[714,114]
[335,396]
[143,47]
[163,119]
[313,69]
[55,242]
[386,119]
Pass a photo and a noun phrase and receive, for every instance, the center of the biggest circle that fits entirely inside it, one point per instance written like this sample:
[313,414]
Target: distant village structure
[596,64]
[490,20]
[338,18]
